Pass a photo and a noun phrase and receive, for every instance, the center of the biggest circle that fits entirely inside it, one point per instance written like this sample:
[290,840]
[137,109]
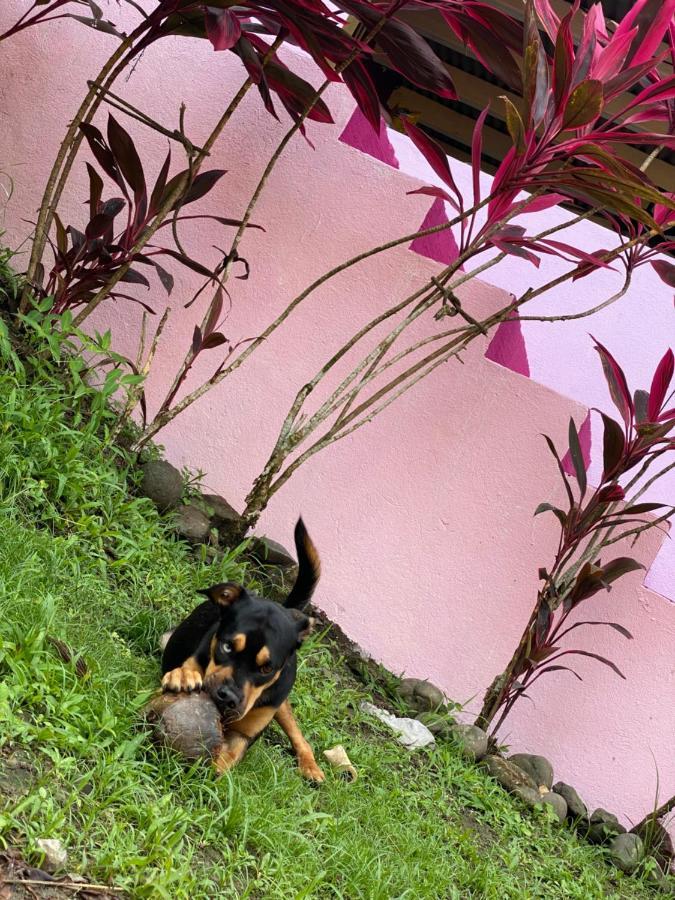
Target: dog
[241,649]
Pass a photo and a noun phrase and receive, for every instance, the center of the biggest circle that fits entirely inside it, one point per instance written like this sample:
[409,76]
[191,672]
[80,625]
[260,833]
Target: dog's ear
[305,626]
[224,594]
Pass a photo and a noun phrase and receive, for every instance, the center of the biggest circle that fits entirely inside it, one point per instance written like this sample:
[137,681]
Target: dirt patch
[19,881]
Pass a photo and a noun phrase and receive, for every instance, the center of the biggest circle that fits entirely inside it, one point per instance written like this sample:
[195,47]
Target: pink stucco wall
[423,518]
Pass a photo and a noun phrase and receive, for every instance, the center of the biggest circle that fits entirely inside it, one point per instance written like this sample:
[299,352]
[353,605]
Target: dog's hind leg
[305,756]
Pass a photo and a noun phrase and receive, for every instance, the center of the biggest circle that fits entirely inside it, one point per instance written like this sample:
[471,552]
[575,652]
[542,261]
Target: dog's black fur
[241,649]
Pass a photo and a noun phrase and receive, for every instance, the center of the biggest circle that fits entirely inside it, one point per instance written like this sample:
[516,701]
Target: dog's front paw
[310,770]
[182,680]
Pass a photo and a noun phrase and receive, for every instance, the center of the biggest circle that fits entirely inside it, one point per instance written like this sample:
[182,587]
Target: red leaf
[614,444]
[652,18]
[660,384]
[549,18]
[476,152]
[611,493]
[432,152]
[222,27]
[538,204]
[433,191]
[363,90]
[295,93]
[616,381]
[665,270]
[410,55]
[611,60]
[563,61]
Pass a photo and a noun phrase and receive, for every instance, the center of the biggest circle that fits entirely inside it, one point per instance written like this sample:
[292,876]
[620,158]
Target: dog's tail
[309,569]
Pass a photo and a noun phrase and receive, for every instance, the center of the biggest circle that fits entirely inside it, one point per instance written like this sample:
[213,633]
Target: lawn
[83,560]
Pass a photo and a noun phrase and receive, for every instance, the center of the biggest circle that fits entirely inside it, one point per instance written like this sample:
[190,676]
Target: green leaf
[584,104]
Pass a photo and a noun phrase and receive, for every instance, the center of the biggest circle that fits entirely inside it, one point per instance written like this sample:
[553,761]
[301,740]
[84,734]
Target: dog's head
[254,642]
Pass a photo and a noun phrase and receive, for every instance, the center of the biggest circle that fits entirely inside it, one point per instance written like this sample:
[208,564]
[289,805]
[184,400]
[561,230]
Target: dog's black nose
[226,696]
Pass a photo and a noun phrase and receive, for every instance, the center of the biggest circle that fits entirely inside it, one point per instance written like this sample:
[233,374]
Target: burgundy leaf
[196,340]
[412,56]
[616,381]
[568,489]
[624,631]
[102,153]
[201,185]
[363,90]
[95,190]
[477,152]
[126,156]
[434,191]
[665,270]
[577,457]
[558,513]
[563,61]
[98,226]
[215,309]
[113,206]
[611,493]
[214,340]
[188,262]
[295,93]
[556,669]
[613,446]
[639,508]
[222,28]
[641,402]
[660,384]
[432,152]
[160,185]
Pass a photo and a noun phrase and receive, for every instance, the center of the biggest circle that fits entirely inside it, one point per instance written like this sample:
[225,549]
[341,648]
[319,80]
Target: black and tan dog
[241,649]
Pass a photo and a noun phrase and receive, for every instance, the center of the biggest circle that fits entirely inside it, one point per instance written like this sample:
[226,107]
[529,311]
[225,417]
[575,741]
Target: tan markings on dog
[227,595]
[252,694]
[313,555]
[216,674]
[239,736]
[234,747]
[238,642]
[187,677]
[305,756]
[263,655]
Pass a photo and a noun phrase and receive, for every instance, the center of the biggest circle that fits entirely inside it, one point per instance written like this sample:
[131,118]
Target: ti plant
[86,260]
[593,520]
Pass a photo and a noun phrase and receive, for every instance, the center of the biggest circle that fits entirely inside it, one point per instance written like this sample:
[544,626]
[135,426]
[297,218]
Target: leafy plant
[588,526]
[85,261]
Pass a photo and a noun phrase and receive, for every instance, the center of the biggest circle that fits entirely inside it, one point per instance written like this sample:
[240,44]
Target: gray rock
[529,796]
[626,852]
[420,694]
[537,767]
[192,524]
[658,842]
[223,516]
[576,808]
[268,551]
[557,803]
[55,853]
[508,774]
[473,741]
[162,483]
[604,826]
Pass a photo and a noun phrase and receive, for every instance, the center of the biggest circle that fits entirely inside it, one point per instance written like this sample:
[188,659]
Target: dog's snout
[227,696]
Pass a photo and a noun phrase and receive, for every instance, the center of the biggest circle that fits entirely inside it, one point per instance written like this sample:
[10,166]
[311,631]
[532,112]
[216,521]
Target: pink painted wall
[423,518]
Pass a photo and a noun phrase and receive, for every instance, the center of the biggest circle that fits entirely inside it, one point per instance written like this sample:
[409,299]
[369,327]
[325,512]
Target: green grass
[83,560]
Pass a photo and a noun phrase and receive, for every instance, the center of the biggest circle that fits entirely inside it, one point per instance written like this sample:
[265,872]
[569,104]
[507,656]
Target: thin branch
[587,312]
